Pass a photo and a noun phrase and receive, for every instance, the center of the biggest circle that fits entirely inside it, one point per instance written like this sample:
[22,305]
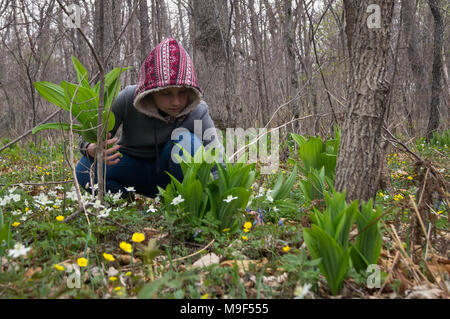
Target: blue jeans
[141,173]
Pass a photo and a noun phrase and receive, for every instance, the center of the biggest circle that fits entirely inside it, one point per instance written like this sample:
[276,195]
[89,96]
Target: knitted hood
[168,65]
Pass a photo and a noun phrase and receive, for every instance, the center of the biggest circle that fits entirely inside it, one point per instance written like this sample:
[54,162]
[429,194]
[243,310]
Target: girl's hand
[111,154]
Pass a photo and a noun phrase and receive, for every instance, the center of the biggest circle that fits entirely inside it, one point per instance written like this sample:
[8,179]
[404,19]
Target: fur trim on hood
[166,66]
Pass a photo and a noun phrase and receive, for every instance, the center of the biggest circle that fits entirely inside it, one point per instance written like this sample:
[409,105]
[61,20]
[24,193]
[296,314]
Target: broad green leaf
[52,93]
[58,126]
[334,260]
[82,75]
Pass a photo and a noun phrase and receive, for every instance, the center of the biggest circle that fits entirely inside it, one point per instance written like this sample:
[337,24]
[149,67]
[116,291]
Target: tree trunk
[144,30]
[436,86]
[415,60]
[359,160]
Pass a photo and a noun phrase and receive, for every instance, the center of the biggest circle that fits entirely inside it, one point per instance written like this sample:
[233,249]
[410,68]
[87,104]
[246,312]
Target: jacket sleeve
[118,108]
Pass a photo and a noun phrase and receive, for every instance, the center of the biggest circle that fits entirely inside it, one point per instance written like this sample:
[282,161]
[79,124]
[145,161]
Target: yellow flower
[58,267]
[82,262]
[244,238]
[225,230]
[128,274]
[55,206]
[26,209]
[248,225]
[60,218]
[205,296]
[410,178]
[286,248]
[15,224]
[117,288]
[381,194]
[126,247]
[112,278]
[246,230]
[108,257]
[138,237]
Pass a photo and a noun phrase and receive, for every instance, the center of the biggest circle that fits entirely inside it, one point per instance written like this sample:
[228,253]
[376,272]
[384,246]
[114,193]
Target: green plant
[368,243]
[334,259]
[315,185]
[329,240]
[5,235]
[82,101]
[316,154]
[205,201]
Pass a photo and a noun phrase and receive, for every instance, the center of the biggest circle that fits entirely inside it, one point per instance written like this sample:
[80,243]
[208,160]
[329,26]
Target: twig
[396,258]
[196,253]
[409,263]
[421,222]
[423,187]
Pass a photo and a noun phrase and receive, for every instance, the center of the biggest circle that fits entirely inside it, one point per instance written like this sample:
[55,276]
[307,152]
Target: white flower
[177,200]
[97,204]
[117,196]
[12,189]
[17,212]
[52,193]
[270,198]
[104,213]
[157,199]
[229,198]
[72,195]
[130,189]
[301,292]
[151,209]
[275,209]
[19,250]
[4,201]
[42,199]
[15,197]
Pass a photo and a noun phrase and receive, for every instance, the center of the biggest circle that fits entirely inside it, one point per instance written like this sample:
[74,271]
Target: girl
[167,97]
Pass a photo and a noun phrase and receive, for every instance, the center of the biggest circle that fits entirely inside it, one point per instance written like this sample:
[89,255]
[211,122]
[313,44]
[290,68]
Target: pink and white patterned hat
[168,65]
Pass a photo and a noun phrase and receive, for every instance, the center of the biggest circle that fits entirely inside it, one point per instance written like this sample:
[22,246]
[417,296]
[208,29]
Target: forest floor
[67,257]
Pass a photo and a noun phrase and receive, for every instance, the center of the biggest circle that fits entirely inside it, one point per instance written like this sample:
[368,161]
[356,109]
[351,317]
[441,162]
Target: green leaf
[286,186]
[309,153]
[82,75]
[334,260]
[57,126]
[52,93]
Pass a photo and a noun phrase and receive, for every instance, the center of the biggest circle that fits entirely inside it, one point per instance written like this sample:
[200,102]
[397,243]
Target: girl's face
[171,100]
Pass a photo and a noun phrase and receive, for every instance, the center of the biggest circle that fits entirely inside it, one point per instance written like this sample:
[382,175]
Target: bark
[144,30]
[359,161]
[410,33]
[436,86]
[258,57]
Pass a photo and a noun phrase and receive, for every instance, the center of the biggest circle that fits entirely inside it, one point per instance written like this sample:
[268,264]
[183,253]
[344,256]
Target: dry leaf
[31,271]
[112,272]
[244,265]
[126,259]
[206,261]
[424,292]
